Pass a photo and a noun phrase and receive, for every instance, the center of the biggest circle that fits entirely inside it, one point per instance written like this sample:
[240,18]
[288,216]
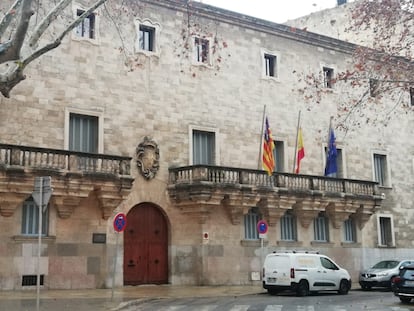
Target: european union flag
[331,167]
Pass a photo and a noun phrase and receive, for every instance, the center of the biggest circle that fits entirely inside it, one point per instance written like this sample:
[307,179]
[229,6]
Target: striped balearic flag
[268,147]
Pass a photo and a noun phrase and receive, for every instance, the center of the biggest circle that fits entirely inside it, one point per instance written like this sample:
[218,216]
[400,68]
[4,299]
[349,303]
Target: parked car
[403,284]
[303,273]
[381,274]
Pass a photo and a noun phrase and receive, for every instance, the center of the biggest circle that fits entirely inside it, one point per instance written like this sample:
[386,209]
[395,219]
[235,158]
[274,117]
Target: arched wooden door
[145,246]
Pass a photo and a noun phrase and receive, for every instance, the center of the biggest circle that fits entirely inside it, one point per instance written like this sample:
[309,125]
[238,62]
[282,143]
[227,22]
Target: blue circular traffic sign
[262,226]
[120,222]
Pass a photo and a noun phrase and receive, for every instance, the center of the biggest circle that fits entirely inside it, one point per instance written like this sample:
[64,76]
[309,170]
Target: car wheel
[405,299]
[303,289]
[343,287]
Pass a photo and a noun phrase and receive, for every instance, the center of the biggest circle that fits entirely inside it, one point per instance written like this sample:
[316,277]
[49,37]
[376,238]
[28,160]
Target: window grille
[31,280]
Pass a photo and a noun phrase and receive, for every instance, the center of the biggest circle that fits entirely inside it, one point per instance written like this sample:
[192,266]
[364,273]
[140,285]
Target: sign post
[262,229]
[119,226]
[41,196]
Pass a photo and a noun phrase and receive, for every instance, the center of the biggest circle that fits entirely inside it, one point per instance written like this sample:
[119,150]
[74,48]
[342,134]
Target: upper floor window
[349,231]
[385,227]
[279,155]
[340,173]
[270,64]
[204,147]
[148,33]
[321,228]
[83,133]
[201,50]
[86,28]
[373,87]
[288,227]
[146,38]
[381,169]
[412,96]
[328,77]
[250,224]
[30,219]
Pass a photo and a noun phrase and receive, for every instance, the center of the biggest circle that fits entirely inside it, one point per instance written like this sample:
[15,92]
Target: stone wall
[163,97]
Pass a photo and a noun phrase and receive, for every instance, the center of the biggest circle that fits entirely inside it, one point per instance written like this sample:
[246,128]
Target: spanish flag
[268,147]
[301,151]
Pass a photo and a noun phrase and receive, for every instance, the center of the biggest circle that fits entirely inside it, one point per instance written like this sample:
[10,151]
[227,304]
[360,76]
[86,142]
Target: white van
[303,273]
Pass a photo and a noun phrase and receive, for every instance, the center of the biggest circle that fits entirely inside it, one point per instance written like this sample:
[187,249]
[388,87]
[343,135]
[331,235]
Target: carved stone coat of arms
[148,156]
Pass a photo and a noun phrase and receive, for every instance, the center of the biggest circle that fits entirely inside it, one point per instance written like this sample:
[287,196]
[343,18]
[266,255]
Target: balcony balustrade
[199,188]
[75,176]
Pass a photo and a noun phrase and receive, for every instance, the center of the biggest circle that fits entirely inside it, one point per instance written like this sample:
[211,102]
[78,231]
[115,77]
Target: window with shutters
[204,147]
[83,133]
[321,228]
[250,224]
[279,156]
[385,227]
[381,172]
[349,231]
[30,219]
[288,227]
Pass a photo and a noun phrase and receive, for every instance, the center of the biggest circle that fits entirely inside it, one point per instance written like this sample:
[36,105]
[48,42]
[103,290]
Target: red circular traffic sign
[120,222]
[262,226]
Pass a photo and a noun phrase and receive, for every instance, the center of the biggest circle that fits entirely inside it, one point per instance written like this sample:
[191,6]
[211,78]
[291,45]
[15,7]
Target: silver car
[381,274]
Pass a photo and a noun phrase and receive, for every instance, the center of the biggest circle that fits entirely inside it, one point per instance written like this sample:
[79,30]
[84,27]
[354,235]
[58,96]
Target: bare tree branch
[47,20]
[12,52]
[14,73]
[7,18]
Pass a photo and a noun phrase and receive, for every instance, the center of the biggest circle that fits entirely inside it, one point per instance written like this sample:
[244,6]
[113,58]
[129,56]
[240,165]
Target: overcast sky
[278,11]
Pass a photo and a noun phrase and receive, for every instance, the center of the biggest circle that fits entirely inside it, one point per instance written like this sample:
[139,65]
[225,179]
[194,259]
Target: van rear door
[277,270]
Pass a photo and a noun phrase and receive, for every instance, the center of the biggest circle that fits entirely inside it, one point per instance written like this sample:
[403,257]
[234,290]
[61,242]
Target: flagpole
[261,140]
[296,144]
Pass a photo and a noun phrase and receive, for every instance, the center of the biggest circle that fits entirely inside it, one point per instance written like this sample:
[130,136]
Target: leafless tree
[20,36]
[380,76]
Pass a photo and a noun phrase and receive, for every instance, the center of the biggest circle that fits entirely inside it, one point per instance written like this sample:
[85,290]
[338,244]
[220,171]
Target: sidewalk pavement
[106,299]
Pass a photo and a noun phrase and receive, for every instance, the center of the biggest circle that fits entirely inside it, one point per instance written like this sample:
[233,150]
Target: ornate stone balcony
[199,189]
[75,176]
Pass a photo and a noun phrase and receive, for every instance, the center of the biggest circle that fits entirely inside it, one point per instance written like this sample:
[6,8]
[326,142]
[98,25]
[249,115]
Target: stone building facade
[172,140]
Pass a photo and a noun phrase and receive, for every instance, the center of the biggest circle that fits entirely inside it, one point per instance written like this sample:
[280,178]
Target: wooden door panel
[145,246]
